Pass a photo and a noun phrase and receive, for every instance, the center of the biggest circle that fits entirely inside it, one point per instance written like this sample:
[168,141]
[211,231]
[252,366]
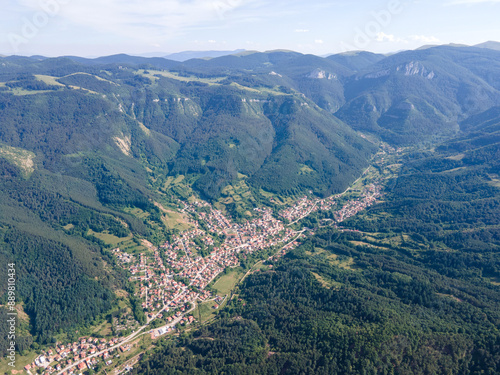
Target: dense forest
[53,285]
[88,147]
[412,289]
[62,283]
[386,315]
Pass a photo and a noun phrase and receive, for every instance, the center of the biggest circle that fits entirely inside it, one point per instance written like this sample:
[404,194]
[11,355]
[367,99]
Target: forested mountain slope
[408,287]
[89,146]
[423,93]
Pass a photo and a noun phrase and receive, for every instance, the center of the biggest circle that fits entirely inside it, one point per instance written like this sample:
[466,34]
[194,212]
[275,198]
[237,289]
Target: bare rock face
[321,74]
[415,68]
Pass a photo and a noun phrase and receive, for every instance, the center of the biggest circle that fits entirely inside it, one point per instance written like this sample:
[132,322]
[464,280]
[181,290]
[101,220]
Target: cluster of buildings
[175,275]
[368,197]
[124,258]
[306,206]
[61,356]
[172,277]
[169,278]
[302,208]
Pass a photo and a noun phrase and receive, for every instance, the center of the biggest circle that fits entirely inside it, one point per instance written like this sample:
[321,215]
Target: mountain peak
[490,45]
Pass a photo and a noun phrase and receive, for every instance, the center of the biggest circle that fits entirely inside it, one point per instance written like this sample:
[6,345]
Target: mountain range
[89,147]
[289,122]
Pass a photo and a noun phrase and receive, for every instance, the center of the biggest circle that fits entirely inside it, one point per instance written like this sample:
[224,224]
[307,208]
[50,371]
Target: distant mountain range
[187,55]
[88,147]
[259,114]
[289,122]
[406,97]
[490,45]
[208,117]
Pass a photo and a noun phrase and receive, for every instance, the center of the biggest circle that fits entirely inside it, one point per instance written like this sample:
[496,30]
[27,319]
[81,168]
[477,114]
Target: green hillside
[422,95]
[103,153]
[411,288]
[87,145]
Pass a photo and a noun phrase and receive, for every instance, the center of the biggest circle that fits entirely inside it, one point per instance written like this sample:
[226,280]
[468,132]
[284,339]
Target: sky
[93,28]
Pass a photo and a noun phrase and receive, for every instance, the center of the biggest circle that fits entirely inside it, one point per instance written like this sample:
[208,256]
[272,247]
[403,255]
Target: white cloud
[424,39]
[147,20]
[383,37]
[301,30]
[319,41]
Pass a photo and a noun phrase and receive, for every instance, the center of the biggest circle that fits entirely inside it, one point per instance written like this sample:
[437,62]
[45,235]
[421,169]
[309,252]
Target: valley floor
[171,280]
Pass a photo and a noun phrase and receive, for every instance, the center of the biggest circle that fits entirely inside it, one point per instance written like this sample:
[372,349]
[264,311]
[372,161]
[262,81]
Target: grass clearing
[227,282]
[278,199]
[456,157]
[340,261]
[304,169]
[174,219]
[49,80]
[494,280]
[21,314]
[179,179]
[494,180]
[21,361]
[144,129]
[326,283]
[449,296]
[454,170]
[317,252]
[109,238]
[238,86]
[205,311]
[346,264]
[22,92]
[261,267]
[169,181]
[121,293]
[131,247]
[137,212]
[83,89]
[152,74]
[103,329]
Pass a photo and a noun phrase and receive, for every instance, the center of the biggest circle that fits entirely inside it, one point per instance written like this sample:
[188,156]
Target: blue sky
[104,27]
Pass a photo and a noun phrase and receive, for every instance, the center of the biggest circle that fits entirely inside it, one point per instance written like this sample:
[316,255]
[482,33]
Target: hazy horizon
[229,52]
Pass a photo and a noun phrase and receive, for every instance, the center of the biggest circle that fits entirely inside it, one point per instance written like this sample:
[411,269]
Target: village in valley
[173,279]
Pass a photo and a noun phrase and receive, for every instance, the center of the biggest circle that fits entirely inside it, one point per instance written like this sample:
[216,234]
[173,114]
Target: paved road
[306,215]
[136,333]
[129,338]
